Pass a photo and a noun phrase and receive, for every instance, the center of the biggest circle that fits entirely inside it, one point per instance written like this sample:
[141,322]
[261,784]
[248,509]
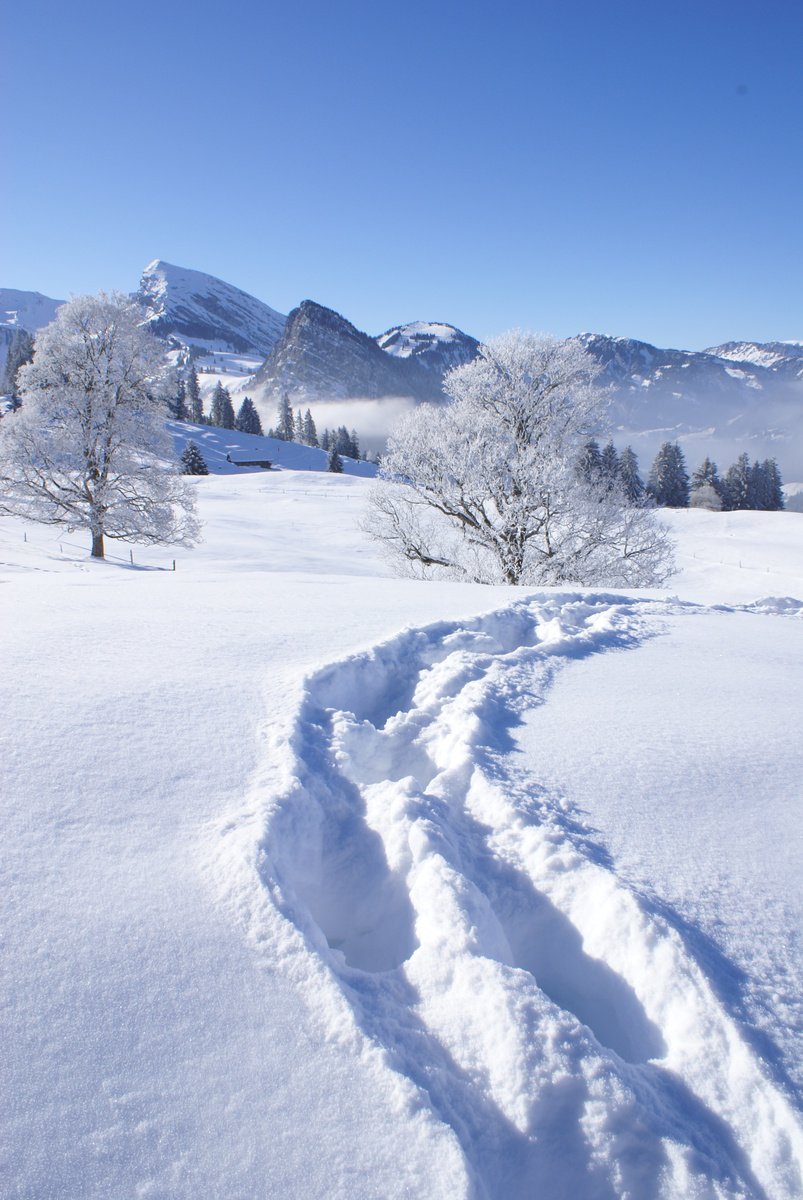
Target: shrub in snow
[89,449]
[490,487]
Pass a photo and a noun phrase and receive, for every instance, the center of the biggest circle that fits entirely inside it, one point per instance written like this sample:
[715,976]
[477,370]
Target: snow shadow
[342,876]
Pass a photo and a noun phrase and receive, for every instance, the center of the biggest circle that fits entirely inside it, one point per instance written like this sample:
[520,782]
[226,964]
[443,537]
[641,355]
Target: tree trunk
[97,544]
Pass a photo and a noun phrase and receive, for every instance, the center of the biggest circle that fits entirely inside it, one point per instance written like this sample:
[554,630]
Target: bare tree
[489,487]
[89,449]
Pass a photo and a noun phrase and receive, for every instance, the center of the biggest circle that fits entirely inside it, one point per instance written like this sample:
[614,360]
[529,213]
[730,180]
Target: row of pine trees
[290,426]
[744,485]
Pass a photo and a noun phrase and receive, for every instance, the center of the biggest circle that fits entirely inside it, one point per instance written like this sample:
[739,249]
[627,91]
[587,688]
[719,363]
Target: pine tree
[228,418]
[192,461]
[609,465]
[773,485]
[669,481]
[355,444]
[310,432]
[706,487]
[298,431]
[326,440]
[590,463]
[631,481]
[335,462]
[248,418]
[194,402]
[178,406]
[216,407]
[285,426]
[738,485]
[20,352]
[342,441]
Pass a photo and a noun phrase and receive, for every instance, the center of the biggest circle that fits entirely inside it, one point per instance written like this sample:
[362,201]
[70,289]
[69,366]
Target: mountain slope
[205,312]
[321,356]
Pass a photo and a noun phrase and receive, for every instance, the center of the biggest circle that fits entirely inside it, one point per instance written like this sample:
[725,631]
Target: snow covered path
[448,915]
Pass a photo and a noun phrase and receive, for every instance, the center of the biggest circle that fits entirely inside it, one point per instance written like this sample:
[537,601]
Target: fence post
[131,556]
[174,564]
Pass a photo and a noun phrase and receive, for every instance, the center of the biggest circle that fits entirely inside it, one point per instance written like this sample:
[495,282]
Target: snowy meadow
[323,883]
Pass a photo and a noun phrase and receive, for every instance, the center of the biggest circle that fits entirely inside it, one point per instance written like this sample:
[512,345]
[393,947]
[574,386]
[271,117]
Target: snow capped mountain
[719,404]
[433,345]
[778,356]
[22,310]
[26,310]
[201,311]
[321,356]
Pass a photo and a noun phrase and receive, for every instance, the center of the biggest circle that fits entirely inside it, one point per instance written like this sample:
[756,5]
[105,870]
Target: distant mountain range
[719,401]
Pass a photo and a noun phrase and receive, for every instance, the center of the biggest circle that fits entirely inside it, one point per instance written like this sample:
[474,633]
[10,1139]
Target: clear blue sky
[628,167]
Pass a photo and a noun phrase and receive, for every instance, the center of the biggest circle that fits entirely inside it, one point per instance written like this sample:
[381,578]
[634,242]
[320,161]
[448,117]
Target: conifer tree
[216,407]
[590,463]
[228,418]
[192,461]
[632,483]
[335,462]
[310,432]
[193,399]
[20,352]
[298,430]
[609,465]
[248,418]
[669,481]
[326,440]
[355,444]
[285,426]
[738,487]
[178,406]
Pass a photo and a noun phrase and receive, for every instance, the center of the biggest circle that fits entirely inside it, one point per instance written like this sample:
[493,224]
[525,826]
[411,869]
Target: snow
[403,340]
[323,884]
[215,444]
[26,310]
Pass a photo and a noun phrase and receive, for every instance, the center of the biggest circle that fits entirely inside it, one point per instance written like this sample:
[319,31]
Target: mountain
[781,357]
[740,396]
[22,310]
[436,346]
[321,356]
[205,313]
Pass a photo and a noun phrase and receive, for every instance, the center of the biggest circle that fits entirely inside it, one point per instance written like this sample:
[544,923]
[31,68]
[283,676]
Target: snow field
[562,1030]
[278,927]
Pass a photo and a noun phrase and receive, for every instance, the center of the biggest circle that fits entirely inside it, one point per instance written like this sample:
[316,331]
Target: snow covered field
[318,883]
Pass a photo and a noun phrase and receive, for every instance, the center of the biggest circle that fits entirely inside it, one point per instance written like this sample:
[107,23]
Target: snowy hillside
[325,884]
[217,444]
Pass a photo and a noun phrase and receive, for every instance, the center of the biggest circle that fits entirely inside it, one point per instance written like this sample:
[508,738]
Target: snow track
[546,1029]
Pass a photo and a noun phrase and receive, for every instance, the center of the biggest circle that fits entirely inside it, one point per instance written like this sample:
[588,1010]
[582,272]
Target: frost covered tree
[737,485]
[178,406]
[335,464]
[487,487]
[299,427]
[192,461]
[89,449]
[706,487]
[668,483]
[248,418]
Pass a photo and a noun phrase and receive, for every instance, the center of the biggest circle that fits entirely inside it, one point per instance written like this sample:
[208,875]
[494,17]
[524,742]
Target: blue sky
[629,167]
